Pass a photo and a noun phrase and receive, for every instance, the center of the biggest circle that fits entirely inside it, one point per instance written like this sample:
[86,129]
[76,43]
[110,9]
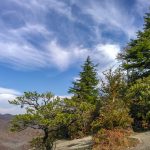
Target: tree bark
[47,143]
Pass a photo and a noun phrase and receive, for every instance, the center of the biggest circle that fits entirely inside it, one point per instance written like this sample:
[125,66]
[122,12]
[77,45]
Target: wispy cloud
[33,33]
[142,6]
[112,15]
[9,91]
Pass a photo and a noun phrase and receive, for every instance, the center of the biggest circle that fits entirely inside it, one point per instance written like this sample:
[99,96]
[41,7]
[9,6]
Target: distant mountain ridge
[6,117]
[15,140]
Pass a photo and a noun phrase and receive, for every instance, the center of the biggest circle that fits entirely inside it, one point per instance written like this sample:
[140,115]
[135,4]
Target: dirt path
[83,144]
[144,139]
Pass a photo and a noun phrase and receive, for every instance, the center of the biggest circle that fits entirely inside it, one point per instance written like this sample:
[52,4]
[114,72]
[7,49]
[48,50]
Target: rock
[76,144]
[144,139]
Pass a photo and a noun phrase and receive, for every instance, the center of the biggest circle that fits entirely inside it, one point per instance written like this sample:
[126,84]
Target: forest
[109,108]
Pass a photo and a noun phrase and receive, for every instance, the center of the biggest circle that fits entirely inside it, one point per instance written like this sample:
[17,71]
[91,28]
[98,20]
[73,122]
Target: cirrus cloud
[56,34]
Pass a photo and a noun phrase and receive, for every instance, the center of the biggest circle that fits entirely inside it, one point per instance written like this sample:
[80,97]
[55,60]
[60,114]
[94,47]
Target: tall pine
[136,57]
[86,87]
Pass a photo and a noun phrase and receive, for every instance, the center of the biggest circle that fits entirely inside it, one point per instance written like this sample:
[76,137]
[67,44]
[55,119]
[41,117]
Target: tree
[85,95]
[86,87]
[43,112]
[114,85]
[83,116]
[136,55]
[139,95]
[114,111]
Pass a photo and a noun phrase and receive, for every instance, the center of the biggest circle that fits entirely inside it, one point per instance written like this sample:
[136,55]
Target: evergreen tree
[114,111]
[44,112]
[86,87]
[136,57]
[147,21]
[139,95]
[113,86]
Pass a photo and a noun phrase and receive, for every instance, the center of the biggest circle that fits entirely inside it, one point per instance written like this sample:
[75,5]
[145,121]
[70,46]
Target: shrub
[82,112]
[116,139]
[112,115]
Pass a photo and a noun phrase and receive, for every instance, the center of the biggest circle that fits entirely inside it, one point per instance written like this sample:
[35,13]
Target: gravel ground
[83,144]
[144,139]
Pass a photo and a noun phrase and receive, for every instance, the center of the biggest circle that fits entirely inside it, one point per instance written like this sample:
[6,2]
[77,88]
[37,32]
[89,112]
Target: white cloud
[21,55]
[9,91]
[11,110]
[5,95]
[109,51]
[142,6]
[113,16]
[45,5]
[58,55]
[105,55]
[10,94]
[17,52]
[65,96]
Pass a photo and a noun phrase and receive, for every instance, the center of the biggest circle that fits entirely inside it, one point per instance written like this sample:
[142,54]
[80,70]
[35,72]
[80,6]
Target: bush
[37,144]
[112,115]
[116,139]
[82,115]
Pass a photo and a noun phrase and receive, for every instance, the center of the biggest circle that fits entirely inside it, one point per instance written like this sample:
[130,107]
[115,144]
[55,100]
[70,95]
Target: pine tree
[139,95]
[136,57]
[44,112]
[86,87]
[147,21]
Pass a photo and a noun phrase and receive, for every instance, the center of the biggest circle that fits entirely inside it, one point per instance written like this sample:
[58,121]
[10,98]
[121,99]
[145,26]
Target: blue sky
[44,42]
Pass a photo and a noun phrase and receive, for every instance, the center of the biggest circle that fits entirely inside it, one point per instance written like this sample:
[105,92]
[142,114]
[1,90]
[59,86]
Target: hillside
[13,141]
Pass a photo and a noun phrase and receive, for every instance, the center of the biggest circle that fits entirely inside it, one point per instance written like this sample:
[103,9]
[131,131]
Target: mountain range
[14,140]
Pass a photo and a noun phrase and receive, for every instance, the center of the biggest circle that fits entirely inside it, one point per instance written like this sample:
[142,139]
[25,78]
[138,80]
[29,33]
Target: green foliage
[83,112]
[85,88]
[44,112]
[59,118]
[112,115]
[91,109]
[139,94]
[37,143]
[85,100]
[136,60]
[147,21]
[136,55]
[114,85]
[114,111]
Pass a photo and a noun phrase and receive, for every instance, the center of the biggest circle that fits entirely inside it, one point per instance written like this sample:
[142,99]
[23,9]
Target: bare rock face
[77,144]
[144,141]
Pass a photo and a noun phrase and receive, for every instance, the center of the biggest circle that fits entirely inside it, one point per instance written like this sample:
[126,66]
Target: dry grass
[117,139]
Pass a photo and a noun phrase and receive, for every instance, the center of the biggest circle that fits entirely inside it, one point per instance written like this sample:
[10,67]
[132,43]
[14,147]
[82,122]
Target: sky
[43,43]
